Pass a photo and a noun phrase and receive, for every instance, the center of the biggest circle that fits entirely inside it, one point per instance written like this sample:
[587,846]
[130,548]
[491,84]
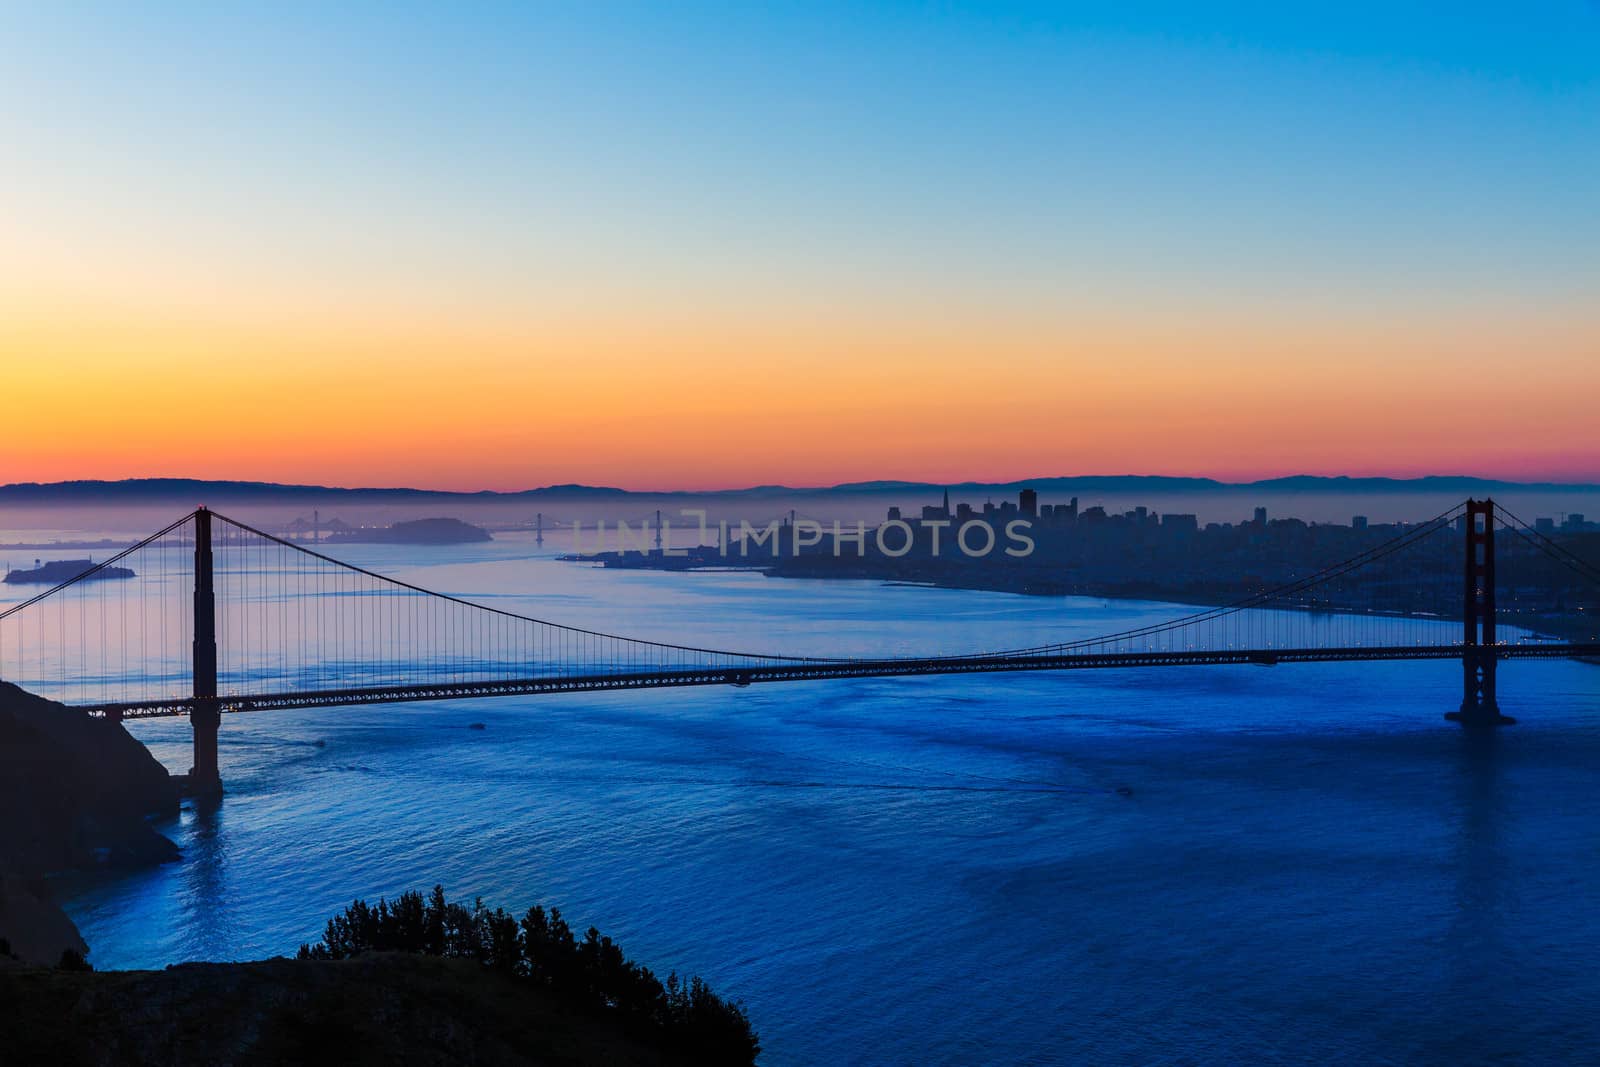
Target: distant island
[415,532]
[57,571]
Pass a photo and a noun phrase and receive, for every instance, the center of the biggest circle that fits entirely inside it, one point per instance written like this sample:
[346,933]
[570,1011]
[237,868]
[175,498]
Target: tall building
[1028,503]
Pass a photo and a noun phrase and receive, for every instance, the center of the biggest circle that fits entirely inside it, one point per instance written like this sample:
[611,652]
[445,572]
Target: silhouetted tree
[408,924]
[548,948]
[592,974]
[462,931]
[494,941]
[72,960]
[433,922]
[714,1030]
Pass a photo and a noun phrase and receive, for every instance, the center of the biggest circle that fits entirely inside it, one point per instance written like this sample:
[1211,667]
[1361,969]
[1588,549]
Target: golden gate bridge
[223,617]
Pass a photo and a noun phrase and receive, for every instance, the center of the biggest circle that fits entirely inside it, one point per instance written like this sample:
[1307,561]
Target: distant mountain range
[194,490]
[140,490]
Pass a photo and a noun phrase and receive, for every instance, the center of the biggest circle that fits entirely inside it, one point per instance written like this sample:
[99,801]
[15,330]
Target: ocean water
[1182,865]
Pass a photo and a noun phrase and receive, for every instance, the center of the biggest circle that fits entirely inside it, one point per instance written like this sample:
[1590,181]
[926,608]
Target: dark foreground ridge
[413,981]
[379,1008]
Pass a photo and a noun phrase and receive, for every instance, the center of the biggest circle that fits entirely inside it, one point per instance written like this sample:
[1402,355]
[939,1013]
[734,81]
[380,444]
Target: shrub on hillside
[72,960]
[541,950]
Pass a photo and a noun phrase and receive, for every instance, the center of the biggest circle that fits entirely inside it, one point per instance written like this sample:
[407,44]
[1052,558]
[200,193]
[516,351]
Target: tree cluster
[590,973]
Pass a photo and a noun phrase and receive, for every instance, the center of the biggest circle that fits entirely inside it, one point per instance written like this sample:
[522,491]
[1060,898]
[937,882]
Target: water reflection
[204,883]
[1484,891]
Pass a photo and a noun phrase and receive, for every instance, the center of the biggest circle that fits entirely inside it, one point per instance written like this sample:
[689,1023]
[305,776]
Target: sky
[690,245]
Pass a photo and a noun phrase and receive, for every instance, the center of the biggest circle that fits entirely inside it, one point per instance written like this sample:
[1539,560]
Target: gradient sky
[695,245]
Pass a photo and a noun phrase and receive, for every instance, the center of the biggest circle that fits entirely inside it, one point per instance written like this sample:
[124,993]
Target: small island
[57,571]
[441,531]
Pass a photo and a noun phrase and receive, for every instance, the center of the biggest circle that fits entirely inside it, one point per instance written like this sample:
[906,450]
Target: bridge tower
[206,716]
[1479,657]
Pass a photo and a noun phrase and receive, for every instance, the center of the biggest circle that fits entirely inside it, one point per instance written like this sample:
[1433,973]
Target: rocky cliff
[74,792]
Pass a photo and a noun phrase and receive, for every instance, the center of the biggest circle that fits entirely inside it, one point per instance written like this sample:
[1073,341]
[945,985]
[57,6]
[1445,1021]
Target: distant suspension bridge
[223,617]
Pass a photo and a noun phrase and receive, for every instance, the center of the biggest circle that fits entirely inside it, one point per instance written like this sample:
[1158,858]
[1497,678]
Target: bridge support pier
[1478,704]
[205,780]
[204,777]
[1479,658]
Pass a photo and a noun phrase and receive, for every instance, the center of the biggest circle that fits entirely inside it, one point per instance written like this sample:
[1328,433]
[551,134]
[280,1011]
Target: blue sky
[1417,169]
[1457,141]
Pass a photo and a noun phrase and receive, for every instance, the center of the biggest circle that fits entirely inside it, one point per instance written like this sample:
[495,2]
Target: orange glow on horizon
[653,400]
[557,244]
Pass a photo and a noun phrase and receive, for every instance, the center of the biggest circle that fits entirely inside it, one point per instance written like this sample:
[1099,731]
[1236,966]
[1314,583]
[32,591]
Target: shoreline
[1033,585]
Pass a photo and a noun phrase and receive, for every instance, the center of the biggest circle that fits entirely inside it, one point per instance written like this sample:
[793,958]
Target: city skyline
[802,244]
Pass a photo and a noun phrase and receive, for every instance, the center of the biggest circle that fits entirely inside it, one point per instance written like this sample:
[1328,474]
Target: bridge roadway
[820,670]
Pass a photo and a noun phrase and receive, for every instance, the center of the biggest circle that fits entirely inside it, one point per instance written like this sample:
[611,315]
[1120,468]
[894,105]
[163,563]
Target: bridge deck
[818,671]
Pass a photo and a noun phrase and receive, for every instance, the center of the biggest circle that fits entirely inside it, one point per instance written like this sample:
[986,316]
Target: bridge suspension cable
[598,635]
[97,569]
[1281,597]
[1549,547]
[295,626]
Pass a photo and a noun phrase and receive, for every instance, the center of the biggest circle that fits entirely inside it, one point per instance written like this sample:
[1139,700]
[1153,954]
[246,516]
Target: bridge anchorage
[211,616]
